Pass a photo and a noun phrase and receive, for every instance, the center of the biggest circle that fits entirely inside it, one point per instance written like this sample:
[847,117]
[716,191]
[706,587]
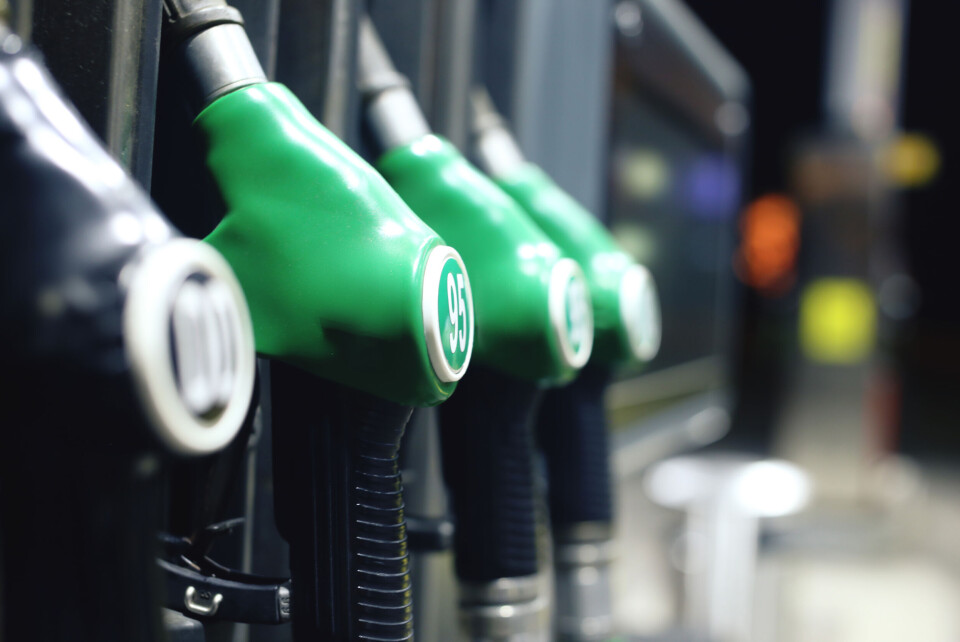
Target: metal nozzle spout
[483,113]
[496,151]
[216,52]
[184,18]
[391,108]
[375,69]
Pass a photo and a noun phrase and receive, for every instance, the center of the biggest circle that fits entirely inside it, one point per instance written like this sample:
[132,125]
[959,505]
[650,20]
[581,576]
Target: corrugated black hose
[339,504]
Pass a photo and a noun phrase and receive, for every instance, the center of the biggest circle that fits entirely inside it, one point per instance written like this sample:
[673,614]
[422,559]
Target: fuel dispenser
[535,329]
[130,348]
[366,310]
[571,423]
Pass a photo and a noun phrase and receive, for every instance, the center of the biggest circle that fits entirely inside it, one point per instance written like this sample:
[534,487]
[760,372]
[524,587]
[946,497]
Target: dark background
[783,48]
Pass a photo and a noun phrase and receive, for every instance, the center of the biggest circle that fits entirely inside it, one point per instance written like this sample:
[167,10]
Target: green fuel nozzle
[625,304]
[534,319]
[343,282]
[342,279]
[534,328]
[572,424]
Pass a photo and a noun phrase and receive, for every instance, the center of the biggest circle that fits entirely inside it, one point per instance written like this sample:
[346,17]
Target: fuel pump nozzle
[217,60]
[534,330]
[572,425]
[128,346]
[344,283]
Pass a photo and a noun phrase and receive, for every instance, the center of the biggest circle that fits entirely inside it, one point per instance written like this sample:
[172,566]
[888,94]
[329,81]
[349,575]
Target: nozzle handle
[487,443]
[572,433]
[572,430]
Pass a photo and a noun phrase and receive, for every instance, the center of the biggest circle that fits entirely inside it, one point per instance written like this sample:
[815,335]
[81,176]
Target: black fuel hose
[339,504]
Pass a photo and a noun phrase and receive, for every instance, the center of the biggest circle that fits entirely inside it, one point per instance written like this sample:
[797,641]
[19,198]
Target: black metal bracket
[257,600]
[200,588]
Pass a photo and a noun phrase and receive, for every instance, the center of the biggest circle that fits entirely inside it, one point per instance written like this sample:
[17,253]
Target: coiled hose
[378,528]
[339,503]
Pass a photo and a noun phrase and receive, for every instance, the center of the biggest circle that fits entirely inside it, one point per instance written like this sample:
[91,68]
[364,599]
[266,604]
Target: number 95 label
[447,313]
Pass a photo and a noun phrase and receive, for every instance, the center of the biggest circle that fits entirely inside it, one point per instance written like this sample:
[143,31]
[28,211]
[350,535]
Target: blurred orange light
[770,231]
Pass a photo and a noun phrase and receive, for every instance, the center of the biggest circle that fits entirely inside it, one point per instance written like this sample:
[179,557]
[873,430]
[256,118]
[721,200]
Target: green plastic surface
[330,258]
[583,238]
[508,257]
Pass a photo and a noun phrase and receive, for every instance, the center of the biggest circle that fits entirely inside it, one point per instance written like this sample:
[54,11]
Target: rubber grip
[572,432]
[486,433]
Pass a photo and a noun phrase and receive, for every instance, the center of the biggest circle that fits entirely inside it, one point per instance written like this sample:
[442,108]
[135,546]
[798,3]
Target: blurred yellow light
[838,321]
[911,160]
[644,174]
[637,240]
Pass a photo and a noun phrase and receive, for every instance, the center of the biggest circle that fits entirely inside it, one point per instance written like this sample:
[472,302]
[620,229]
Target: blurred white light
[644,173]
[126,228]
[629,19]
[732,118]
[676,483]
[12,44]
[588,576]
[768,488]
[772,488]
[391,229]
[155,229]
